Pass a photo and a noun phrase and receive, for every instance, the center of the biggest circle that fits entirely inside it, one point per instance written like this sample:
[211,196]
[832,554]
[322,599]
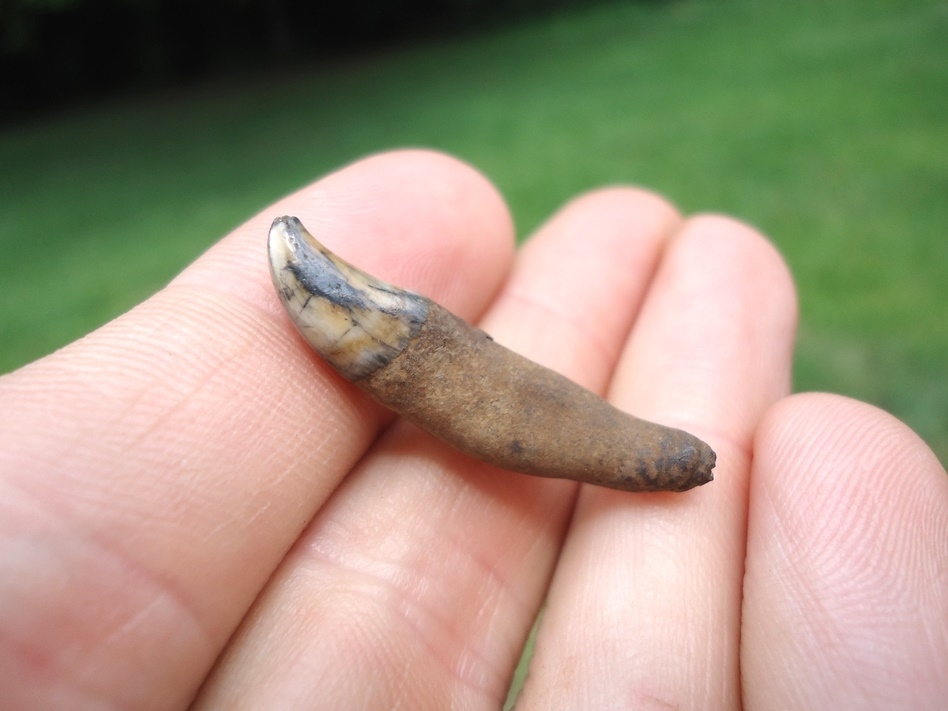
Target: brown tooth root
[452,380]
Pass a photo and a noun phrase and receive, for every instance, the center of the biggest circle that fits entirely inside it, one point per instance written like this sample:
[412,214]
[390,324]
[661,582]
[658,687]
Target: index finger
[154,473]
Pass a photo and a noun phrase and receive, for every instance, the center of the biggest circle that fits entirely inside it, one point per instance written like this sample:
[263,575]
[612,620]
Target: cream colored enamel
[356,322]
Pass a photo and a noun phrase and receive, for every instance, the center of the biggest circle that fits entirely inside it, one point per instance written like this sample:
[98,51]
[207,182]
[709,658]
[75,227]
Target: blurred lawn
[824,124]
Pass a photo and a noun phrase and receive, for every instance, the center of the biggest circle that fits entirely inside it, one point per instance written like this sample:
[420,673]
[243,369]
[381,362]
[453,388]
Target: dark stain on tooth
[318,276]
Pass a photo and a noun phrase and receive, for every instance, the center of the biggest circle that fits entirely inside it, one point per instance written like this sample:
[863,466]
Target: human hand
[195,504]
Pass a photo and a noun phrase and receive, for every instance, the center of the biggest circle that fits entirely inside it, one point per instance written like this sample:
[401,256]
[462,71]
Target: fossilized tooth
[452,380]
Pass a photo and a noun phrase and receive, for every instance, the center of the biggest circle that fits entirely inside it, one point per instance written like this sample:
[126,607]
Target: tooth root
[453,381]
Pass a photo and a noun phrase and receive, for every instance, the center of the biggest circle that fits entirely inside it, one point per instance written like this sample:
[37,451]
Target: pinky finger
[846,587]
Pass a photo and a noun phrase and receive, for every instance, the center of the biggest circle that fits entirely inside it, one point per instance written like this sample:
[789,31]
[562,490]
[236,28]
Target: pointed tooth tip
[291,232]
[283,228]
[287,239]
[278,244]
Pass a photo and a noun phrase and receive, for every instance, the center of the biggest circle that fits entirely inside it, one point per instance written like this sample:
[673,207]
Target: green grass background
[825,124]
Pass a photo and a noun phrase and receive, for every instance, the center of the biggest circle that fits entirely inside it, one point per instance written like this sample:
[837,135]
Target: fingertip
[836,470]
[741,256]
[811,434]
[608,233]
[419,219]
[587,269]
[470,240]
[714,341]
[846,561]
[649,211]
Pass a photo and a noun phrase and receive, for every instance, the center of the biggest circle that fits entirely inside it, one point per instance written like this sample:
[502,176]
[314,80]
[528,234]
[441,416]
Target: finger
[416,586]
[644,608]
[156,472]
[846,594]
